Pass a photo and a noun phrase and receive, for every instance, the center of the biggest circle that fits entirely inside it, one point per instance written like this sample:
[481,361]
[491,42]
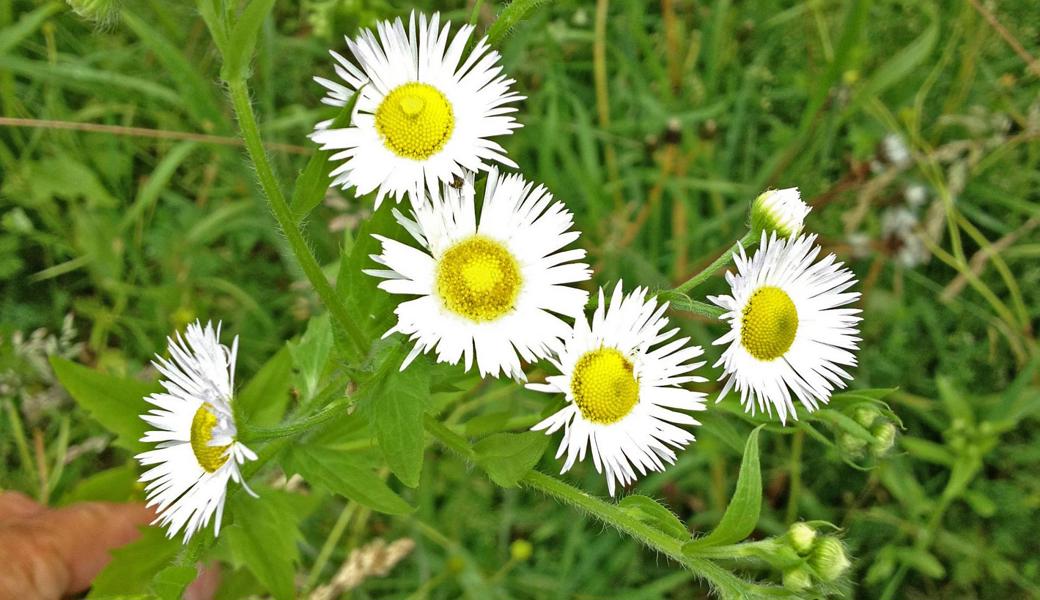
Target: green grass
[656,123]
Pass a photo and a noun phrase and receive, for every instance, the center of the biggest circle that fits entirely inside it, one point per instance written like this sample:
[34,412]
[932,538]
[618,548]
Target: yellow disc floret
[479,279]
[769,323]
[415,120]
[210,457]
[604,386]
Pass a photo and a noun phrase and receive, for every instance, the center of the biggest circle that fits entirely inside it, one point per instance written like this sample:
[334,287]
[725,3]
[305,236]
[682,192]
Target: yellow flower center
[415,120]
[479,279]
[604,386]
[210,457]
[769,323]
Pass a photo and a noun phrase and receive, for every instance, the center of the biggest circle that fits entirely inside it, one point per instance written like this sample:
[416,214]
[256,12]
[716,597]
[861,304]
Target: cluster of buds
[822,558]
[882,432]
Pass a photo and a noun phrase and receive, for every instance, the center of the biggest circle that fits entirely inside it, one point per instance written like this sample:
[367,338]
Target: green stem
[606,512]
[276,200]
[330,543]
[259,434]
[473,16]
[747,242]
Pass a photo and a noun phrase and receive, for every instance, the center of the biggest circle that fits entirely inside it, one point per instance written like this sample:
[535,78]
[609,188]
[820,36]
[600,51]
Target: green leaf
[117,484]
[342,474]
[133,565]
[170,583]
[311,354]
[243,40]
[263,538]
[114,402]
[395,409]
[741,515]
[314,181]
[360,290]
[903,63]
[507,457]
[263,400]
[650,511]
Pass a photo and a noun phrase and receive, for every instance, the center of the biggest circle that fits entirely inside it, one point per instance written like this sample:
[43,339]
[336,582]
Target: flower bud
[884,437]
[865,415]
[851,444]
[521,550]
[101,12]
[801,537]
[779,211]
[797,579]
[828,559]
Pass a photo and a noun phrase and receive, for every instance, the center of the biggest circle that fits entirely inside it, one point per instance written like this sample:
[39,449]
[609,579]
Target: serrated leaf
[170,583]
[115,402]
[395,410]
[263,538]
[132,566]
[360,290]
[311,354]
[313,182]
[507,457]
[741,515]
[242,41]
[117,484]
[651,512]
[339,473]
[264,399]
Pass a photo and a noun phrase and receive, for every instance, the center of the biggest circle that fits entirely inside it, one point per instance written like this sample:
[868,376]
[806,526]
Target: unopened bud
[801,536]
[851,444]
[828,559]
[779,211]
[797,579]
[884,437]
[866,415]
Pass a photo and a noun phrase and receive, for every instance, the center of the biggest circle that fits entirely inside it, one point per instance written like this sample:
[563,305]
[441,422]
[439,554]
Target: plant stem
[746,242]
[606,512]
[276,200]
[258,434]
[473,16]
[796,476]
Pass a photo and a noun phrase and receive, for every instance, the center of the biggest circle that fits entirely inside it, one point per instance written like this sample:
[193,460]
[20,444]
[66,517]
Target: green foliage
[744,507]
[347,476]
[114,402]
[312,183]
[507,457]
[136,226]
[395,407]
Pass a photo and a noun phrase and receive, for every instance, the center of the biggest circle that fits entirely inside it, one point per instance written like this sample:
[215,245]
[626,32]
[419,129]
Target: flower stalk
[748,241]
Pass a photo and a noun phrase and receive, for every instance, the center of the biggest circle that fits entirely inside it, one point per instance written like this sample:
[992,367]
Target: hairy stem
[746,242]
[276,200]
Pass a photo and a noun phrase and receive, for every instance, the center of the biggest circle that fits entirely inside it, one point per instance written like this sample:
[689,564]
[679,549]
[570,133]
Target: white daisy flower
[788,333]
[623,396]
[425,112]
[781,211]
[487,288]
[196,451]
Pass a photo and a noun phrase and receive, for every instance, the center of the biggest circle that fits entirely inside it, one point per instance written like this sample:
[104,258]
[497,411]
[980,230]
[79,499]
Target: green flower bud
[779,211]
[828,559]
[102,12]
[866,415]
[801,537]
[521,550]
[797,579]
[851,444]
[884,437]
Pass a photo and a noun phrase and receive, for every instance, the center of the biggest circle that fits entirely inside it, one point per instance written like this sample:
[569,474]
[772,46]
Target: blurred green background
[911,127]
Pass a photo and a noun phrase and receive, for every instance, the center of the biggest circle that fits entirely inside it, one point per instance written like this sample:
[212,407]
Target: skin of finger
[16,505]
[32,566]
[84,534]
